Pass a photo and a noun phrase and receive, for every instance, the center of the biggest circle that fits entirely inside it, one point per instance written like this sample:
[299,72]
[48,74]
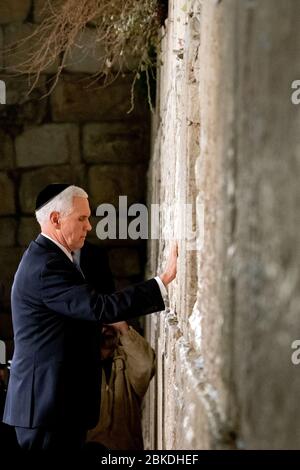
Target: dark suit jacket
[55,372]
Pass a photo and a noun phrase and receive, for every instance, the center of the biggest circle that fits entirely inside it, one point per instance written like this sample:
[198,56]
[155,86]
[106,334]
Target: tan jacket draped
[119,426]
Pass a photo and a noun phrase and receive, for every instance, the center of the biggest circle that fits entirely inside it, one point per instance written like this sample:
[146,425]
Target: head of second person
[64,217]
[109,340]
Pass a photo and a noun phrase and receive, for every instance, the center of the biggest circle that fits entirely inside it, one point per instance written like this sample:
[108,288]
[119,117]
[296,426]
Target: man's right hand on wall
[170,271]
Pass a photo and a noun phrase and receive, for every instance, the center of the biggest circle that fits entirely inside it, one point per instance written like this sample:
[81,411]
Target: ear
[55,219]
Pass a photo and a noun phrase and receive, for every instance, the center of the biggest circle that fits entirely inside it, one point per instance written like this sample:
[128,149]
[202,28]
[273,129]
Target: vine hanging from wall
[126,36]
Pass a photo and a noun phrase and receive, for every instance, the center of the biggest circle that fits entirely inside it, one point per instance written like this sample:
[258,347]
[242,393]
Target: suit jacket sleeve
[65,292]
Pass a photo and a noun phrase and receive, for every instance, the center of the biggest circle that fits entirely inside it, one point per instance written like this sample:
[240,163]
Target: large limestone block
[28,230]
[108,182]
[73,100]
[22,35]
[6,151]
[8,227]
[50,144]
[79,174]
[7,196]
[32,182]
[86,56]
[195,405]
[14,10]
[124,262]
[115,142]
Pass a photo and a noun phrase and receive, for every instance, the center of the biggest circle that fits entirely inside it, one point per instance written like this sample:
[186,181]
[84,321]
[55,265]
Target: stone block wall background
[226,137]
[77,134]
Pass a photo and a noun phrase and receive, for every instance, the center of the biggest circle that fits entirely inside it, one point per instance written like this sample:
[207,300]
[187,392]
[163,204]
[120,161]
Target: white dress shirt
[162,288]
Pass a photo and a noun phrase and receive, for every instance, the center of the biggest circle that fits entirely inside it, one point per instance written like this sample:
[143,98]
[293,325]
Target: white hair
[62,203]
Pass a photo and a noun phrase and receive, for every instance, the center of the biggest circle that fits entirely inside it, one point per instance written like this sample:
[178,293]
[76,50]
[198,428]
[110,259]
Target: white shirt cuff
[162,287]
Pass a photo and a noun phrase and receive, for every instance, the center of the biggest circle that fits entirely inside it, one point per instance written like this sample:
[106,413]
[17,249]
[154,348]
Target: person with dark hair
[55,315]
[128,365]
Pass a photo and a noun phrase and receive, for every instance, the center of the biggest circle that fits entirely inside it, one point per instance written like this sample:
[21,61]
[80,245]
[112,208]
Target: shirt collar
[66,252]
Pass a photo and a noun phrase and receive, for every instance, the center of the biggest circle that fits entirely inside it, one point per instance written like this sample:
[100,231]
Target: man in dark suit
[55,317]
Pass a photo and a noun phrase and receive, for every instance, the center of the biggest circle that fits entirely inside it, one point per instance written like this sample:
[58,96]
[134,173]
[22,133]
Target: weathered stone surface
[10,258]
[108,182]
[114,142]
[86,56]
[32,182]
[50,144]
[28,230]
[79,174]
[8,227]
[267,258]
[6,151]
[73,101]
[15,33]
[124,262]
[224,350]
[198,415]
[14,10]
[7,195]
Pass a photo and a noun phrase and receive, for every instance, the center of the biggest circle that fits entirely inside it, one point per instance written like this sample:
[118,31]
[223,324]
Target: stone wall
[76,134]
[226,138]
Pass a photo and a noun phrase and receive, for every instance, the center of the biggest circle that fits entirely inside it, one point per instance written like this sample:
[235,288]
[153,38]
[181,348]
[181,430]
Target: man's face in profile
[75,226]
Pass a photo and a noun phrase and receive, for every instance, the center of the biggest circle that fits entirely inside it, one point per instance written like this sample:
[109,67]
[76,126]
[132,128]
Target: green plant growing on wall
[125,34]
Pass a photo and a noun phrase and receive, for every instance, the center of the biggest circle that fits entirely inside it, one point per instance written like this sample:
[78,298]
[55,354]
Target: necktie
[76,262]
